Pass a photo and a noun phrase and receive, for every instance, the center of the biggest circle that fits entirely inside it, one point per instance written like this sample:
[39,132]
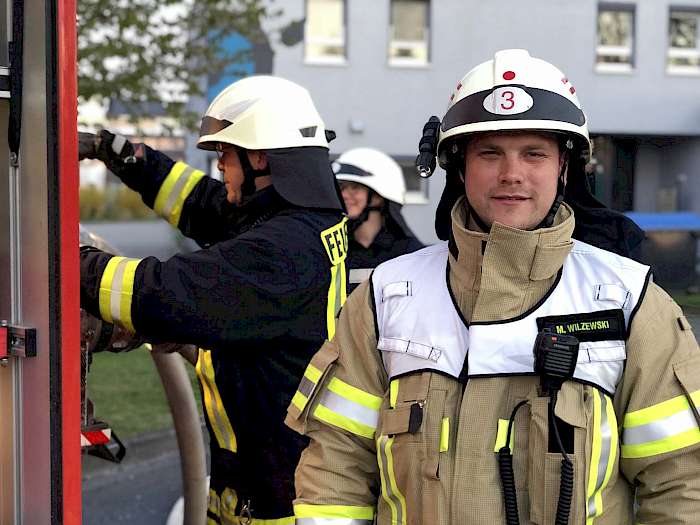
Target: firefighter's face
[355,197]
[229,165]
[511,178]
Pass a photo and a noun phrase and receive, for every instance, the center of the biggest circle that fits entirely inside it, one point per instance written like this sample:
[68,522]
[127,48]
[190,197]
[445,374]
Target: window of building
[409,32]
[615,50]
[683,42]
[324,32]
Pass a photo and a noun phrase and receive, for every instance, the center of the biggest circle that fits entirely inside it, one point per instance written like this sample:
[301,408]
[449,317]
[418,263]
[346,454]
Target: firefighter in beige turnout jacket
[408,406]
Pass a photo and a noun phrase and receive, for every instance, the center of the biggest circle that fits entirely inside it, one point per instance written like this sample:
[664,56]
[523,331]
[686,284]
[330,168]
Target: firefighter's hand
[88,145]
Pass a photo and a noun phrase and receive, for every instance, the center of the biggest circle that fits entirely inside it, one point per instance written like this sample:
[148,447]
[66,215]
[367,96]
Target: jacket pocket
[686,373]
[316,371]
[408,451]
[545,459]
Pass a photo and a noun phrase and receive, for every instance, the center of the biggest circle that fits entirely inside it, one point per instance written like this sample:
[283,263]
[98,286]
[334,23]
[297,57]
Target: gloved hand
[88,145]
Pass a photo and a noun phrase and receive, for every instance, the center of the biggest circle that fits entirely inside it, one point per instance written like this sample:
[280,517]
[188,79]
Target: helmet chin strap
[354,224]
[249,173]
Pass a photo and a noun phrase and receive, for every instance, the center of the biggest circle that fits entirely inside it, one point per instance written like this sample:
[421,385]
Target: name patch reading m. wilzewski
[594,326]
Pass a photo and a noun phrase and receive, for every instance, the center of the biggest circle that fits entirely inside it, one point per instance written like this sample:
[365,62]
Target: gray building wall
[392,103]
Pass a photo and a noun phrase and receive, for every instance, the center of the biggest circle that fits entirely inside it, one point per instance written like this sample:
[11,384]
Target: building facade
[378,69]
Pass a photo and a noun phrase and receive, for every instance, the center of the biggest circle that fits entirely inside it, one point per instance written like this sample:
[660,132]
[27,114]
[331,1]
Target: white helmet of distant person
[374,169]
[513,91]
[277,116]
[261,113]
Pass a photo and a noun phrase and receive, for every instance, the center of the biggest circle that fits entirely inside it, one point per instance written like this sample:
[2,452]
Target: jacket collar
[519,256]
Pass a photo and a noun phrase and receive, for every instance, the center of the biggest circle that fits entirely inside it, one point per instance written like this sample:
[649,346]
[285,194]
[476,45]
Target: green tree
[142,51]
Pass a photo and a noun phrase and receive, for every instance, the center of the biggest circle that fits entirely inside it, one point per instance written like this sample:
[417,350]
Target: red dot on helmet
[572,90]
[459,86]
[508,75]
[564,80]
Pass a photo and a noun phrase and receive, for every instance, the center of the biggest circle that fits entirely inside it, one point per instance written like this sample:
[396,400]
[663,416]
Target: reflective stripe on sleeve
[603,454]
[214,406]
[306,387]
[333,515]
[661,428]
[116,291]
[174,191]
[349,408]
[390,490]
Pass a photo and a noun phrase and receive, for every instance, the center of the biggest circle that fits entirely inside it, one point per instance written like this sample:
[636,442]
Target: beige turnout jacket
[442,469]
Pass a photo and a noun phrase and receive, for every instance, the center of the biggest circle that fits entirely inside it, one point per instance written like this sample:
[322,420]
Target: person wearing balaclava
[512,374]
[262,296]
[373,190]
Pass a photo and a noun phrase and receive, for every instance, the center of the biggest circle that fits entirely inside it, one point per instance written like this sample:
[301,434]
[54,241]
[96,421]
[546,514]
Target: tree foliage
[145,51]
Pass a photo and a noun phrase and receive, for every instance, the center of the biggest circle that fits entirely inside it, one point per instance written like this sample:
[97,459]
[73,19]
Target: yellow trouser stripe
[117,290]
[661,428]
[603,453]
[216,413]
[174,191]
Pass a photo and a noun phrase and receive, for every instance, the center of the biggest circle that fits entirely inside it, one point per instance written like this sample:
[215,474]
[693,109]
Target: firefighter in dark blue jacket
[258,300]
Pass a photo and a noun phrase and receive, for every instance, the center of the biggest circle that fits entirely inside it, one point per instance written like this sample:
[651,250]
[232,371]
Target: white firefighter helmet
[261,113]
[514,91]
[374,169]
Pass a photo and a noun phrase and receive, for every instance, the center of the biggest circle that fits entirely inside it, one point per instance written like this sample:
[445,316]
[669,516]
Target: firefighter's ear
[258,159]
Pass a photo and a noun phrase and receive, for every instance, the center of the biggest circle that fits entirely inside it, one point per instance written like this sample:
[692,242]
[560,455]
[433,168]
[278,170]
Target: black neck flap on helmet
[595,223]
[303,177]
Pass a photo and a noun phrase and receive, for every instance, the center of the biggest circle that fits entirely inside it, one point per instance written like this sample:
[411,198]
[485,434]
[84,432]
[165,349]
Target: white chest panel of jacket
[420,327]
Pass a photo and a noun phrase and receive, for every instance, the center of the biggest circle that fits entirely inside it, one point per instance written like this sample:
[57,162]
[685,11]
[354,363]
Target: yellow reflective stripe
[105,293]
[335,241]
[313,375]
[213,503]
[502,435]
[299,400]
[289,520]
[354,394]
[661,410]
[445,435]
[390,490]
[117,290]
[334,511]
[220,424]
[174,191]
[662,446]
[603,454]
[393,392]
[661,428]
[166,188]
[328,416]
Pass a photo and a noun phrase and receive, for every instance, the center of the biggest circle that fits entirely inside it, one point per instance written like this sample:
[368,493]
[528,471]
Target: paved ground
[139,491]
